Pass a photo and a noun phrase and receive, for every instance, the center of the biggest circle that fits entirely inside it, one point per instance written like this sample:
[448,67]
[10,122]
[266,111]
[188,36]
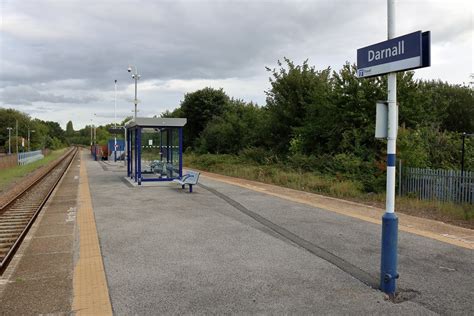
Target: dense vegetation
[316,121]
[43,134]
[83,136]
[46,134]
[323,121]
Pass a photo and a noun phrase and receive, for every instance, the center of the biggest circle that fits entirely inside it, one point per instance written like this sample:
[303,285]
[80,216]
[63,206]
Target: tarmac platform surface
[228,249]
[103,246]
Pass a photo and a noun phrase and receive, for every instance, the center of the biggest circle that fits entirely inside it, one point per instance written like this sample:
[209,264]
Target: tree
[351,115]
[38,139]
[460,111]
[296,92]
[238,128]
[10,118]
[199,108]
[69,129]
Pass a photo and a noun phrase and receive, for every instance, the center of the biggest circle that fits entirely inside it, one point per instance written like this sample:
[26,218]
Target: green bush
[258,155]
[209,161]
[302,162]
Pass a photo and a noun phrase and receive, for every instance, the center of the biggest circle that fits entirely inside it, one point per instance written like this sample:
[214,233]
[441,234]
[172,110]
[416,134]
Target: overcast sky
[59,58]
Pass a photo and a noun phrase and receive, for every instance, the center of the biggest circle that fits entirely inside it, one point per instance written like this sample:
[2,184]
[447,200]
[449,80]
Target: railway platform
[225,248]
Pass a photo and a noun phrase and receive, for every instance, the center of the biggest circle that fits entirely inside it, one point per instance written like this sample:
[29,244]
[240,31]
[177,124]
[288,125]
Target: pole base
[388,270]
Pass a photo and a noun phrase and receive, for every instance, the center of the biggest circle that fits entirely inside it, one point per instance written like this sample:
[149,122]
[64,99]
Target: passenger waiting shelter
[155,149]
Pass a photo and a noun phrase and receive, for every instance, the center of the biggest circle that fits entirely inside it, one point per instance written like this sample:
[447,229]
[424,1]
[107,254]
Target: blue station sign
[405,52]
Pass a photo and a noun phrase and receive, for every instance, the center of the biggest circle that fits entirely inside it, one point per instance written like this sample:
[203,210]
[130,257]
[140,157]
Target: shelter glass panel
[151,153]
[174,142]
[159,153]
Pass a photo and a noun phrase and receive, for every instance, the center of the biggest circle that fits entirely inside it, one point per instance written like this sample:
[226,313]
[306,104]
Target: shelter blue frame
[161,134]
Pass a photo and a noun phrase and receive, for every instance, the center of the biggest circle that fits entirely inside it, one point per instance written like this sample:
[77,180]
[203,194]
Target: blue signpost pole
[410,51]
[180,146]
[388,271]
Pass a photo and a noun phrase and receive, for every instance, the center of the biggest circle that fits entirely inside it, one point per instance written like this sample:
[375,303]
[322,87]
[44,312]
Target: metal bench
[191,178]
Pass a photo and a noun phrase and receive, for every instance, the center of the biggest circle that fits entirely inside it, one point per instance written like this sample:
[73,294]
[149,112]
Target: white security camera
[133,76]
[129,69]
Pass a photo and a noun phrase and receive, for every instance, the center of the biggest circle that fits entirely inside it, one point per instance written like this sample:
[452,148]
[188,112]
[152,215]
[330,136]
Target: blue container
[120,145]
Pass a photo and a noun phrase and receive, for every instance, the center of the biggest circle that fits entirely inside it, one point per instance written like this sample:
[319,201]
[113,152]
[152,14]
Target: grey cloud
[71,51]
[181,40]
[26,95]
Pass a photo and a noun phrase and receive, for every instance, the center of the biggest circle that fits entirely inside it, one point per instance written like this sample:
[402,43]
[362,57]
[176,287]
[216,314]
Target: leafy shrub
[302,162]
[258,155]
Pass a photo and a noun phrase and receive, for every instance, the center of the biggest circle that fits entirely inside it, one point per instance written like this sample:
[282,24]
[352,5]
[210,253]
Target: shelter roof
[156,122]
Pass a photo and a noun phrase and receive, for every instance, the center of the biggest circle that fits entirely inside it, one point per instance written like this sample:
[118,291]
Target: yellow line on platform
[440,231]
[91,295]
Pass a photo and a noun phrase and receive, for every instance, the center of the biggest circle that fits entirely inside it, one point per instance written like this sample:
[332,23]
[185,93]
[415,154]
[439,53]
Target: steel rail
[12,249]
[48,170]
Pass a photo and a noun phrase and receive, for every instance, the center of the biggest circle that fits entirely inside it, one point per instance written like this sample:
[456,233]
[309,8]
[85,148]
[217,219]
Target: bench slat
[191,177]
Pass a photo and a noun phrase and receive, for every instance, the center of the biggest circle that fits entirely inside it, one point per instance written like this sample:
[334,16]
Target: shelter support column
[129,169]
[135,154]
[139,155]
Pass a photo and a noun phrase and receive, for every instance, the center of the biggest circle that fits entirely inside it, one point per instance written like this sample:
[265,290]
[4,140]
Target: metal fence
[29,156]
[439,184]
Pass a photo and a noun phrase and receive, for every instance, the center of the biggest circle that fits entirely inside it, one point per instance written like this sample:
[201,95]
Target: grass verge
[12,175]
[281,175]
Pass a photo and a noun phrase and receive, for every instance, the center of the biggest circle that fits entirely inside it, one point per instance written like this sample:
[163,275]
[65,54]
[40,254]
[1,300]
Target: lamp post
[95,131]
[135,76]
[16,138]
[92,124]
[29,131]
[9,140]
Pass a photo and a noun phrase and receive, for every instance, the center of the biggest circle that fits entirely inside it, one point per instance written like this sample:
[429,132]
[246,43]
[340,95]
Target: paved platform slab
[168,251]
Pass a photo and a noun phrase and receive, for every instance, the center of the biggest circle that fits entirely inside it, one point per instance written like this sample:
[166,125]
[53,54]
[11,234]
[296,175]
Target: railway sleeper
[16,216]
[21,209]
[25,213]
[9,240]
[4,223]
[4,249]
[18,226]
[11,230]
[8,216]
[31,205]
[12,235]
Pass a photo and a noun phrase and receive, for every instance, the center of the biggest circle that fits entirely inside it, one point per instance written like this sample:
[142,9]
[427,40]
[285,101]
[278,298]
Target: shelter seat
[156,166]
[170,168]
[191,178]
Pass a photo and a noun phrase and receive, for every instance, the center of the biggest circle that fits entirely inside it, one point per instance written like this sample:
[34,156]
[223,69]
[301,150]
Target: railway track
[17,216]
